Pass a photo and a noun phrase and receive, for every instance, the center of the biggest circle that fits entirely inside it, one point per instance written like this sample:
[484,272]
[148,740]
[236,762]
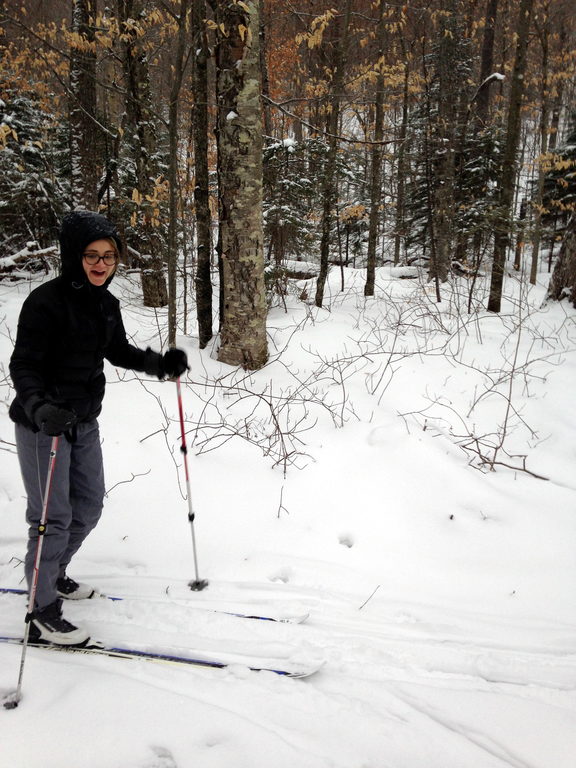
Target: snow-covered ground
[343,481]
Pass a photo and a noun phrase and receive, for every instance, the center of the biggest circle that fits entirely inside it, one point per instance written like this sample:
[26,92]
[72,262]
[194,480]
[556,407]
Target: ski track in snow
[376,671]
[477,739]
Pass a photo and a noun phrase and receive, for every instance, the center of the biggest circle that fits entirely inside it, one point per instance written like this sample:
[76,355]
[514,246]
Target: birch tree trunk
[243,332]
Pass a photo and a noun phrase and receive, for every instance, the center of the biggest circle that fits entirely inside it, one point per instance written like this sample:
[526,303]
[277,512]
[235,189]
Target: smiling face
[99,260]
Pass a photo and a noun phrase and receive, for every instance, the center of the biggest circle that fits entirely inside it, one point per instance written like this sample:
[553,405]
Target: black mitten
[174,363]
[54,420]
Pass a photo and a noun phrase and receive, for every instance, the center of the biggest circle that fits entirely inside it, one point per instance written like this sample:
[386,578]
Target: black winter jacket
[67,327]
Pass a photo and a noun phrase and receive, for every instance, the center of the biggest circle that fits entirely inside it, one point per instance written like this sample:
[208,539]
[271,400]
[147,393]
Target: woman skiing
[67,327]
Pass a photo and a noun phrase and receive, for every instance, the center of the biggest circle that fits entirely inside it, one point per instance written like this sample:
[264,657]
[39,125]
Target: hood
[79,229]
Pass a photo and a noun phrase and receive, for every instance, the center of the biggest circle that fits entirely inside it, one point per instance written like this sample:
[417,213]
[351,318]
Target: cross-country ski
[282,618]
[282,667]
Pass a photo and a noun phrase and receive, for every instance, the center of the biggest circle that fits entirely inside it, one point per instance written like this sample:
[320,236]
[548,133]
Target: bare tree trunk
[140,143]
[555,120]
[482,102]
[243,331]
[487,62]
[178,64]
[399,232]
[83,137]
[329,186]
[544,33]
[376,166]
[201,186]
[556,107]
[443,146]
[508,173]
[563,280]
[264,70]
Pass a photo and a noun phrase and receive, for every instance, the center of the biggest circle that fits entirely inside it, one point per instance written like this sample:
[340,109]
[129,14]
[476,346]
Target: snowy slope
[442,595]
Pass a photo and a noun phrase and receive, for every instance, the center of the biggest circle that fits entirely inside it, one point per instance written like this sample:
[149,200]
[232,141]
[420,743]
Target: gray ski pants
[75,502]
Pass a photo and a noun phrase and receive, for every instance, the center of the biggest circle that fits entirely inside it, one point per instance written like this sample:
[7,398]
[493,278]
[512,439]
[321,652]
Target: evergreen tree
[291,192]
[32,197]
[437,149]
[478,167]
[293,174]
[559,195]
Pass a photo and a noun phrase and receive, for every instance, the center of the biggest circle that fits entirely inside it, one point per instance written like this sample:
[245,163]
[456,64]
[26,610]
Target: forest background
[228,139]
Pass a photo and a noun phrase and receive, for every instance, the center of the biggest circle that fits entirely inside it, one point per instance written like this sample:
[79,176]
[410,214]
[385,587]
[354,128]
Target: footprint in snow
[163,759]
[284,575]
[346,539]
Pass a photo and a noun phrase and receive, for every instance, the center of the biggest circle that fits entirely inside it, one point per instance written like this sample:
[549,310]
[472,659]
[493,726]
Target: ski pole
[12,700]
[198,584]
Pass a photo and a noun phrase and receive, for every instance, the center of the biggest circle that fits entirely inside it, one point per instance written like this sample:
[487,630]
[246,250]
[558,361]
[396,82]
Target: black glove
[54,420]
[174,363]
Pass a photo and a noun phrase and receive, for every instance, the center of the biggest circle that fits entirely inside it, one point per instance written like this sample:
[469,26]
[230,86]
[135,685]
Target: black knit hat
[79,229]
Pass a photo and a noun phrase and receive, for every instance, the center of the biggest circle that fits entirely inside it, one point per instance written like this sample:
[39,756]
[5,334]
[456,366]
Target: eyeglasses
[109,258]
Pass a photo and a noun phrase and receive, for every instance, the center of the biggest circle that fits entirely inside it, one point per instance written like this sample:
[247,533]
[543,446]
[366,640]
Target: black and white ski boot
[49,626]
[74,590]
